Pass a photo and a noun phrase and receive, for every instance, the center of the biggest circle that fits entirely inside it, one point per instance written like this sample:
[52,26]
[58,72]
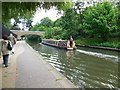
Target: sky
[40,14]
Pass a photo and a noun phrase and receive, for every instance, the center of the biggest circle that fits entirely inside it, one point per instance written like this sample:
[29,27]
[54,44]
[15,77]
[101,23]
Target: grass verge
[111,42]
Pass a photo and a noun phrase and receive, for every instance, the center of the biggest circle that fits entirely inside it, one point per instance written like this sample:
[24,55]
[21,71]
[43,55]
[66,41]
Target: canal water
[85,67]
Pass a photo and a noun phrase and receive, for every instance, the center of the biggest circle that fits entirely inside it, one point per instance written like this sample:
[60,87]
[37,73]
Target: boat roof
[54,40]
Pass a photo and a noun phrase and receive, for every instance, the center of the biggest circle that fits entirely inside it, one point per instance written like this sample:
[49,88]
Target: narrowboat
[64,44]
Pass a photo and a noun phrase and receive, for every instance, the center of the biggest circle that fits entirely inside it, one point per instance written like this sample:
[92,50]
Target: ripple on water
[84,68]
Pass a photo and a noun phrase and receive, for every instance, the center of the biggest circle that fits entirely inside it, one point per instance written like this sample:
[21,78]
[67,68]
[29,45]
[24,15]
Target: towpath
[27,69]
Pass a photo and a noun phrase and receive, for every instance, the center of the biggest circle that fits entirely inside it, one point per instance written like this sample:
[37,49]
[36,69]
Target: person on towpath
[5,50]
[13,41]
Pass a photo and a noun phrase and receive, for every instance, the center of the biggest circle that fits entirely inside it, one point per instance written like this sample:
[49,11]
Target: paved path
[0,73]
[9,74]
[34,72]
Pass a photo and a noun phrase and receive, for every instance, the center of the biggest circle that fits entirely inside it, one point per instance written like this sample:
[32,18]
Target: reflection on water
[86,69]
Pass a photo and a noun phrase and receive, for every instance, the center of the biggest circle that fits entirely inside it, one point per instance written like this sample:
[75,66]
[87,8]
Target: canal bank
[29,70]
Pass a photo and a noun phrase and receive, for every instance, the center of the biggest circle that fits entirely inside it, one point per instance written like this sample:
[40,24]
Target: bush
[112,42]
[108,44]
[88,41]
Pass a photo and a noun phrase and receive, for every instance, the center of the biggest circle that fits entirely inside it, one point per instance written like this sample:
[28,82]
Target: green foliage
[44,25]
[33,38]
[29,23]
[112,42]
[70,22]
[49,33]
[25,10]
[53,32]
[118,15]
[93,25]
[99,20]
[46,22]
[15,28]
[17,10]
[47,25]
[8,25]
[57,33]
[58,23]
[107,44]
[37,28]
[88,41]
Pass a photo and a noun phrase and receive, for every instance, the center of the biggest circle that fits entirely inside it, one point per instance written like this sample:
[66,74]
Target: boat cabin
[59,43]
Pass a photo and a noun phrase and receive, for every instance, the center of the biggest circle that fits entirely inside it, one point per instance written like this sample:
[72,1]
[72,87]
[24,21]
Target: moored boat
[65,44]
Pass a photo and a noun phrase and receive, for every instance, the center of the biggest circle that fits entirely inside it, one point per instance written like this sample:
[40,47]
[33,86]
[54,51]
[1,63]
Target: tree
[70,23]
[79,8]
[38,28]
[20,10]
[118,15]
[46,22]
[15,27]
[58,22]
[99,20]
[49,33]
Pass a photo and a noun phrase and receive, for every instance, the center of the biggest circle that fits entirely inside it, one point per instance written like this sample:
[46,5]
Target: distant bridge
[21,33]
